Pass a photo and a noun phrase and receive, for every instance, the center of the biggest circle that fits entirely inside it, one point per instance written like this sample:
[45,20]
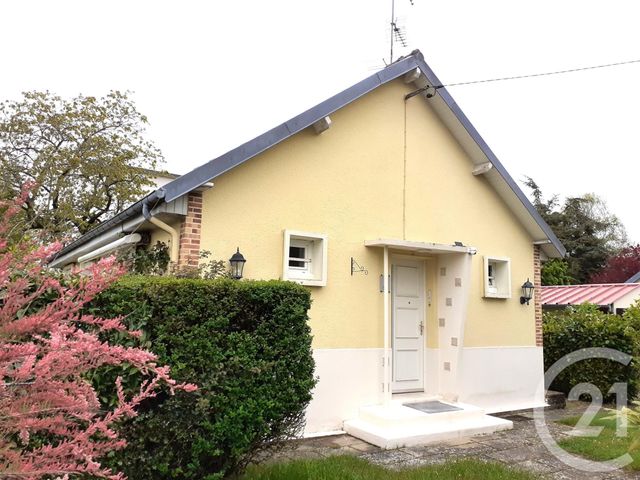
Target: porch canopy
[419,247]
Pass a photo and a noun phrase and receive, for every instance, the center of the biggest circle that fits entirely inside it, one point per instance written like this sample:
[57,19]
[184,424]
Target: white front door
[407,293]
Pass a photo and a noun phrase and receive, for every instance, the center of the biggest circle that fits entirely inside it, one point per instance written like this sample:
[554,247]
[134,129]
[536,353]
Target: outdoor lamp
[237,262]
[527,292]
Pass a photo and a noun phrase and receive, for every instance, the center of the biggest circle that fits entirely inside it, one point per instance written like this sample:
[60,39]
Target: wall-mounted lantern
[527,292]
[237,262]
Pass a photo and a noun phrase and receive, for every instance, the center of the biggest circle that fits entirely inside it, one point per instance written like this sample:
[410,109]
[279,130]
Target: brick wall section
[190,231]
[537,293]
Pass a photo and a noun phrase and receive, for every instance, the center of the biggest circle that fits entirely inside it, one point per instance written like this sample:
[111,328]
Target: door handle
[421,327]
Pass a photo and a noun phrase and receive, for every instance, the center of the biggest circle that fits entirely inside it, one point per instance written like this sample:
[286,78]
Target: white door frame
[421,264]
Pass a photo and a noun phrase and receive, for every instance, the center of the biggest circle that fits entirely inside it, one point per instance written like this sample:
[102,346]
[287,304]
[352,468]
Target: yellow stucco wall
[446,203]
[349,183]
[158,235]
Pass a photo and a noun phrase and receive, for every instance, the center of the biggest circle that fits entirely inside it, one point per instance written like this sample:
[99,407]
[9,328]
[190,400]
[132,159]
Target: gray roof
[634,279]
[503,182]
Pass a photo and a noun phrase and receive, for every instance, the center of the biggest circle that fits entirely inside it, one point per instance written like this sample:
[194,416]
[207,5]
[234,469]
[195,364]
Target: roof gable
[216,167]
[444,105]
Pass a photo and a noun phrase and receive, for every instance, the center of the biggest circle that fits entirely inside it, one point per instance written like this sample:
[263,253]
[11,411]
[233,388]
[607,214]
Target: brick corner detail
[190,232]
[537,293]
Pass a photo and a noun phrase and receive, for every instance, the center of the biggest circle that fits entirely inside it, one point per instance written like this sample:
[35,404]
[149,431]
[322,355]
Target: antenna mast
[396,32]
[393,27]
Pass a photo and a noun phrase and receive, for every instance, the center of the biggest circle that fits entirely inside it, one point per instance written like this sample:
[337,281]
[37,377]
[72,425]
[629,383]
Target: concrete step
[403,435]
[399,415]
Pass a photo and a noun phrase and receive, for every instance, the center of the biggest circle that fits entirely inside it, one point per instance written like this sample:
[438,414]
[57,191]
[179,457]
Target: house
[634,279]
[610,297]
[412,237]
[160,178]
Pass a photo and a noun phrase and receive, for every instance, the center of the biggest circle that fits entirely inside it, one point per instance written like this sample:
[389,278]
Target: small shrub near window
[584,326]
[207,268]
[146,261]
[156,261]
[248,347]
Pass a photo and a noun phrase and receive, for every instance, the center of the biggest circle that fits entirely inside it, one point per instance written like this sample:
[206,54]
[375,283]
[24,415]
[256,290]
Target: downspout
[175,236]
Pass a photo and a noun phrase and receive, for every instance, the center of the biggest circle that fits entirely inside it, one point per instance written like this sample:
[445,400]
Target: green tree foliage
[248,347]
[590,233]
[556,272]
[86,155]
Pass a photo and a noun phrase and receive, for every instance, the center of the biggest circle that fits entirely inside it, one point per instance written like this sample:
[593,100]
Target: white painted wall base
[348,379]
[502,378]
[493,378]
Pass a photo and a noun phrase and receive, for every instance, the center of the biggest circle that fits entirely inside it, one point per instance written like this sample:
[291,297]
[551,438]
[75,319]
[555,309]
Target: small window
[305,258]
[299,251]
[497,277]
[491,277]
[297,257]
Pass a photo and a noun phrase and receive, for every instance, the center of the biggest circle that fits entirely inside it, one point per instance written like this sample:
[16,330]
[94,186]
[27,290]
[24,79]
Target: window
[299,255]
[305,258]
[497,277]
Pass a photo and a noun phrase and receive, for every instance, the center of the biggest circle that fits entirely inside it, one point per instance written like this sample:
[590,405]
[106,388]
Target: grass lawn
[605,446]
[352,468]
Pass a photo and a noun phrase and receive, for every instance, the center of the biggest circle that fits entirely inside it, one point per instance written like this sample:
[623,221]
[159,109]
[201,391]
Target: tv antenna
[397,34]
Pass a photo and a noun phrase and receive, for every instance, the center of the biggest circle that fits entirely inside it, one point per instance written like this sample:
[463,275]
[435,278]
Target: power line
[532,75]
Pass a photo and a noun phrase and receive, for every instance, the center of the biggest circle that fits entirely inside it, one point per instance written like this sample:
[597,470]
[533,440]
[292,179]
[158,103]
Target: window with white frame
[497,277]
[300,256]
[305,258]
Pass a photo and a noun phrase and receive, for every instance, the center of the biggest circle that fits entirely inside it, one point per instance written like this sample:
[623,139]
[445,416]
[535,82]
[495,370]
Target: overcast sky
[211,75]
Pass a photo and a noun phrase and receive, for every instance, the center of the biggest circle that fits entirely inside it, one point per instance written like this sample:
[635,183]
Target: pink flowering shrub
[52,424]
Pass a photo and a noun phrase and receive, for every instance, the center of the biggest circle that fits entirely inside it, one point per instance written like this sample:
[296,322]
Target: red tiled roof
[597,293]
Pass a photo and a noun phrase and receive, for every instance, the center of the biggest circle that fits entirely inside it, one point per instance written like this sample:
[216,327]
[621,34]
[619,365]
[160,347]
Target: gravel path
[519,448]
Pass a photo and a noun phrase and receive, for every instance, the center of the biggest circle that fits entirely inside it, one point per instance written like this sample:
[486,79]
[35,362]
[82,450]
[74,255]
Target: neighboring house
[411,236]
[160,179]
[634,279]
[610,297]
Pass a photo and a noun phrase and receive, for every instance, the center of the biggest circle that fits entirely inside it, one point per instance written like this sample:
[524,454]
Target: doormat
[432,406]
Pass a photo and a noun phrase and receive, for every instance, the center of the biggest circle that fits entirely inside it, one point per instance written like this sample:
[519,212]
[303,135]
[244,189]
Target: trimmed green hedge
[584,326]
[247,345]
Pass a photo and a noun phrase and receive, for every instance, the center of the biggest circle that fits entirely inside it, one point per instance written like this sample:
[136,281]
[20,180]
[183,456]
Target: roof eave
[558,248]
[154,198]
